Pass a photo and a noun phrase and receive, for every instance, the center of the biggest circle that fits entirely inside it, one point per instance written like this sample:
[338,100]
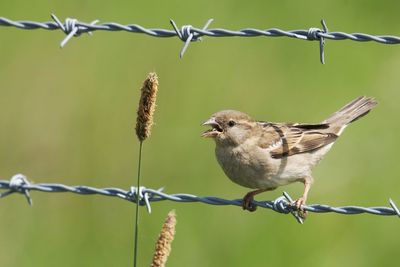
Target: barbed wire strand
[284,204]
[187,33]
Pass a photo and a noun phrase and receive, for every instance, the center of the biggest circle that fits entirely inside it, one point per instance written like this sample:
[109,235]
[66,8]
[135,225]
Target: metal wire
[284,204]
[188,33]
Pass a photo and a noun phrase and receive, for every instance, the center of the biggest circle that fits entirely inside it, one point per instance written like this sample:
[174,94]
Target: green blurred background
[67,116]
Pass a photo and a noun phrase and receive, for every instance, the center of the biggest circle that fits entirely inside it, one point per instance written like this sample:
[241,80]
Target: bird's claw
[300,210]
[247,203]
[299,202]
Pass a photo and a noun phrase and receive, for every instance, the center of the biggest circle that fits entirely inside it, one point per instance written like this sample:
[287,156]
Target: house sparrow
[264,155]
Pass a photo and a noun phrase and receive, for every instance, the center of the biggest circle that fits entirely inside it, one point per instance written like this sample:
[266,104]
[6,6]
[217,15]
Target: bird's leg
[249,197]
[302,200]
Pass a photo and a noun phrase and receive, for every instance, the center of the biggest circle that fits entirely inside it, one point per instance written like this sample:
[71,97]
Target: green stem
[137,206]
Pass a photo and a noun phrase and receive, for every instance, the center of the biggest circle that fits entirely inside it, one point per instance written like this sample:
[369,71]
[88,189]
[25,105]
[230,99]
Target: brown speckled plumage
[266,155]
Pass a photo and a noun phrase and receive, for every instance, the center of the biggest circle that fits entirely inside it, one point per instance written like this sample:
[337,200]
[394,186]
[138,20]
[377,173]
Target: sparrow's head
[229,126]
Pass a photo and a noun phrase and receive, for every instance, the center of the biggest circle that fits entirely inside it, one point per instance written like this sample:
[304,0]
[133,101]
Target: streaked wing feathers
[290,139]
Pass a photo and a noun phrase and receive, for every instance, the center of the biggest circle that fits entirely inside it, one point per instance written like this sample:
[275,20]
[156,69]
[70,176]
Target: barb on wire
[17,184]
[394,207]
[284,204]
[314,34]
[188,33]
[70,28]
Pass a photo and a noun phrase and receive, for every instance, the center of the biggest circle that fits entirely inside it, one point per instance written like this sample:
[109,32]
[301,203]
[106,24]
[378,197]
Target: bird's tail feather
[352,111]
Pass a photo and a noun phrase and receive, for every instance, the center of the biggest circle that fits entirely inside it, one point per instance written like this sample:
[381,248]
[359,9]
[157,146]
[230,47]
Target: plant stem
[137,207]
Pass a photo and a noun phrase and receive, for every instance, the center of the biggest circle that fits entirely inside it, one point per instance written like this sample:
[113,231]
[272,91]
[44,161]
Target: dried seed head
[163,245]
[147,106]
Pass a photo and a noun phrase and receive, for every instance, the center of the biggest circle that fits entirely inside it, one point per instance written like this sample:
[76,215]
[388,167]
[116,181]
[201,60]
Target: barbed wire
[284,204]
[187,33]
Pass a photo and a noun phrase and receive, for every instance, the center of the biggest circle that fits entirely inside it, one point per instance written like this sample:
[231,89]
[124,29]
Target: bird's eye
[231,123]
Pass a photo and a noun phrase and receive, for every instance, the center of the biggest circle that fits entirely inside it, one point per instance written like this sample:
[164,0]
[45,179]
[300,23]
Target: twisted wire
[188,33]
[283,204]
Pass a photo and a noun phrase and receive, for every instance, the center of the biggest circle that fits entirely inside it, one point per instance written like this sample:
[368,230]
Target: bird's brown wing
[290,139]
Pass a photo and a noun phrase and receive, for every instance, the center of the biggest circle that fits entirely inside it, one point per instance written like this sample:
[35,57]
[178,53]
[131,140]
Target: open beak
[215,128]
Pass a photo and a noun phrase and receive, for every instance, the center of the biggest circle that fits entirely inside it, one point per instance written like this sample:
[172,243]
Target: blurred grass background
[67,116]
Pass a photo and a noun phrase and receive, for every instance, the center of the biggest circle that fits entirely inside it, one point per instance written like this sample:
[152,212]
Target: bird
[264,155]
